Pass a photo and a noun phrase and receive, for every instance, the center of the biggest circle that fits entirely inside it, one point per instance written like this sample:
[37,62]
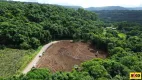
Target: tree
[34,42]
[25,45]
[116,50]
[38,74]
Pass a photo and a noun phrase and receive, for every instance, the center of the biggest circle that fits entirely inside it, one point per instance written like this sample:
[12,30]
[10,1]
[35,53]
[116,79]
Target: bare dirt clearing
[63,55]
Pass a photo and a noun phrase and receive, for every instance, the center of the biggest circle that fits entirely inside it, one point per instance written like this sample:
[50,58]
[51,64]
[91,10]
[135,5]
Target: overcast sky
[91,3]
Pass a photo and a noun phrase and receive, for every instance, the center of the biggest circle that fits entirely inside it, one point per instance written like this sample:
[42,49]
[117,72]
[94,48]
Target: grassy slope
[13,61]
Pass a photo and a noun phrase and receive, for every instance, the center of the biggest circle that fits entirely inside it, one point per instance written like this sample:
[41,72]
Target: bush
[25,45]
[2,47]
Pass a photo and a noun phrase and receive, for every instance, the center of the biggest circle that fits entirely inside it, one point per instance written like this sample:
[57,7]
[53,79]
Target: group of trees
[120,15]
[28,25]
[96,69]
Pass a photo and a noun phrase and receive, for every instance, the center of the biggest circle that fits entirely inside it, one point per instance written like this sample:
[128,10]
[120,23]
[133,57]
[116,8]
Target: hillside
[73,7]
[120,15]
[63,55]
[135,8]
[112,8]
[116,13]
[106,8]
[12,61]
[26,26]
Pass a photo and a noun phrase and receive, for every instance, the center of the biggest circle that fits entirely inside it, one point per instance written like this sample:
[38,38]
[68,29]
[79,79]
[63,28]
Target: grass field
[13,61]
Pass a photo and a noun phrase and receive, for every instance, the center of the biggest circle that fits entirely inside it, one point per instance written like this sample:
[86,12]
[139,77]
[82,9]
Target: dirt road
[36,59]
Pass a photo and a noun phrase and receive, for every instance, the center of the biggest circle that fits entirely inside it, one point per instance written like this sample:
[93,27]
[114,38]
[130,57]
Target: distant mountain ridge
[136,8]
[106,8]
[74,7]
[111,14]
[112,8]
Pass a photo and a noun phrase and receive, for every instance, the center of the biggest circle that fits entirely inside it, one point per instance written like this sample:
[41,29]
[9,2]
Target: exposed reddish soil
[63,55]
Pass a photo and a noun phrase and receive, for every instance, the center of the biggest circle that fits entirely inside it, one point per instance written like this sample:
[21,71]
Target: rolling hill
[26,26]
[106,8]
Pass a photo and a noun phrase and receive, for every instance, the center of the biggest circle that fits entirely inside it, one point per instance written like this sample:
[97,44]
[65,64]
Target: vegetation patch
[122,35]
[29,25]
[13,61]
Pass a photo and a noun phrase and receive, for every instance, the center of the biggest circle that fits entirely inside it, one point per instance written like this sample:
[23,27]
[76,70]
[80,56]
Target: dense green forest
[120,15]
[29,25]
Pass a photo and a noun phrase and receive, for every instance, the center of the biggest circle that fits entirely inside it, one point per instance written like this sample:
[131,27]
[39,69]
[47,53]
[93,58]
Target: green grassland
[13,61]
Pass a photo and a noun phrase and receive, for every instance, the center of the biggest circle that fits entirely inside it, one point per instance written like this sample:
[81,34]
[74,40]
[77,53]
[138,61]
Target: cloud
[91,3]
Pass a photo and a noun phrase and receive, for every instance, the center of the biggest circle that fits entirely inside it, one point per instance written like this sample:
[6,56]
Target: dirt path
[36,59]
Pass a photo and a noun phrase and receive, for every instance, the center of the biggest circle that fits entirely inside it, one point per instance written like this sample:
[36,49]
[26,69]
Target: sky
[91,3]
